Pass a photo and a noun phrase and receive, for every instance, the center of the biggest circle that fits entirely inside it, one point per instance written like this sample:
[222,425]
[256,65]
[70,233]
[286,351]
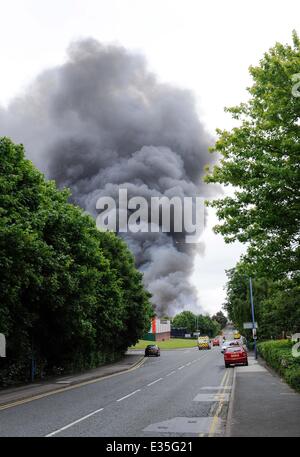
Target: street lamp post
[253,318]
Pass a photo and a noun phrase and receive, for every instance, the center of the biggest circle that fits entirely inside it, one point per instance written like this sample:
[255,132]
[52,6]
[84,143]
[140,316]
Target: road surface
[181,393]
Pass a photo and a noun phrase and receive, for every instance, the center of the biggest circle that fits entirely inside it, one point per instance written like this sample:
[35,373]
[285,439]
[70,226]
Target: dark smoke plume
[102,120]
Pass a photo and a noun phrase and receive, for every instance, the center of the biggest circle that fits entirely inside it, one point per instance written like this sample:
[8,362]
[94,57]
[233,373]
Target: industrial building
[160,330]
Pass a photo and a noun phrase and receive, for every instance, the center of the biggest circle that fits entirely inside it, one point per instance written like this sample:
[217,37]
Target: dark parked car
[152,349]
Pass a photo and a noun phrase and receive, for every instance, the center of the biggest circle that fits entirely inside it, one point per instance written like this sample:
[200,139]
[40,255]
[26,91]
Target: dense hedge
[278,354]
[70,295]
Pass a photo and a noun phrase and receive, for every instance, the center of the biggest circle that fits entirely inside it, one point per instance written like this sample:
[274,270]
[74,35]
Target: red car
[234,355]
[216,342]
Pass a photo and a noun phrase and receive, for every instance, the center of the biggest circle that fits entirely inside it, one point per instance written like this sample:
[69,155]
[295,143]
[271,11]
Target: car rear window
[234,349]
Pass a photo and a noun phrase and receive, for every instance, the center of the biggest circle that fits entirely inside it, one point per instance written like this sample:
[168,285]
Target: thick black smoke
[102,120]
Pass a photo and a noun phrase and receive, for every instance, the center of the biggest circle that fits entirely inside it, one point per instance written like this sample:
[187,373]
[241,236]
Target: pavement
[262,404]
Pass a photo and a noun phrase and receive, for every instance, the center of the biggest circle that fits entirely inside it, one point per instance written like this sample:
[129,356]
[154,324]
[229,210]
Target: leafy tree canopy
[260,158]
[276,303]
[68,292]
[193,323]
[220,318]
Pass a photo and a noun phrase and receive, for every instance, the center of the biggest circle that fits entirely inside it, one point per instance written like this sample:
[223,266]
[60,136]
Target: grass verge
[173,343]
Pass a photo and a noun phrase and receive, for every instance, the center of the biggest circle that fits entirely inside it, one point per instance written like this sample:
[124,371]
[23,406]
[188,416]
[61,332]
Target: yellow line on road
[64,389]
[216,415]
[219,391]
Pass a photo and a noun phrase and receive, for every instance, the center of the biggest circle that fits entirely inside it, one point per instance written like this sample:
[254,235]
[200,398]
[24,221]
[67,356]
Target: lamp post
[253,318]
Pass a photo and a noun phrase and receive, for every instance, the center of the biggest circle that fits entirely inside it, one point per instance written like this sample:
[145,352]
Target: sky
[204,46]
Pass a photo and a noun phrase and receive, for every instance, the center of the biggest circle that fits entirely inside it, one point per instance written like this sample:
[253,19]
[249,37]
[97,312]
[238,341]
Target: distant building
[178,332]
[160,330]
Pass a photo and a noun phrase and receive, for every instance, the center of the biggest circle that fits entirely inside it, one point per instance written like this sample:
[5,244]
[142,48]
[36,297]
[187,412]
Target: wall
[162,336]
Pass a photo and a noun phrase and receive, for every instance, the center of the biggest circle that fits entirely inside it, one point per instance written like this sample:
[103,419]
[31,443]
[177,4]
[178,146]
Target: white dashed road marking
[129,395]
[189,424]
[75,422]
[212,397]
[172,372]
[153,382]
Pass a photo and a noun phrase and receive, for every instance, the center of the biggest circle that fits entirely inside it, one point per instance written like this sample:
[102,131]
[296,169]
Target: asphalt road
[181,393]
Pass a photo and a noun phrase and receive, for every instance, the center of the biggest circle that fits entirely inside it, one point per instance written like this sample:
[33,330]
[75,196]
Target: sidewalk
[263,405]
[16,394]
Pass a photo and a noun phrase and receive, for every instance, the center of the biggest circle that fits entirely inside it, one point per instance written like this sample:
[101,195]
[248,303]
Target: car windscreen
[234,349]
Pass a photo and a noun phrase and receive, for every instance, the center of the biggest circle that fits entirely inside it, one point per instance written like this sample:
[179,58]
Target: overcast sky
[206,47]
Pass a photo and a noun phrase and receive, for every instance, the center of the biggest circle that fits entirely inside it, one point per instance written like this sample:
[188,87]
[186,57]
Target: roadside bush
[278,355]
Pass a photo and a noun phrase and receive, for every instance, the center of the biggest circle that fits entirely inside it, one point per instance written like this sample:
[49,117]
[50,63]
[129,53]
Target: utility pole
[253,318]
[33,362]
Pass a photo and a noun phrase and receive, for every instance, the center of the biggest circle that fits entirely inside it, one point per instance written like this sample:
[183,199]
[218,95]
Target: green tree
[208,326]
[193,323]
[220,318]
[69,294]
[260,158]
[185,319]
[280,310]
[276,303]
[137,311]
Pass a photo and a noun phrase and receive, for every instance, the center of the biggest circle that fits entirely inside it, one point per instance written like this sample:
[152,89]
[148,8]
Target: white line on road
[153,382]
[172,372]
[180,368]
[129,395]
[188,364]
[216,387]
[74,423]
[212,397]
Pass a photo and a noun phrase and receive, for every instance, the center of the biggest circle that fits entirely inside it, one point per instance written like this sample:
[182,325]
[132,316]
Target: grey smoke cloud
[102,120]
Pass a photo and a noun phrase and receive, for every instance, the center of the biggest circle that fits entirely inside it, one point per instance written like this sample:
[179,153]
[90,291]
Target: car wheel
[226,365]
[246,363]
